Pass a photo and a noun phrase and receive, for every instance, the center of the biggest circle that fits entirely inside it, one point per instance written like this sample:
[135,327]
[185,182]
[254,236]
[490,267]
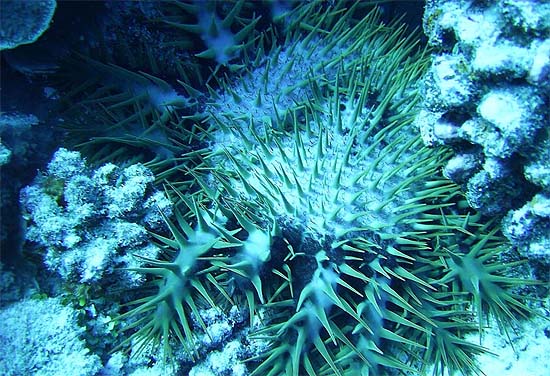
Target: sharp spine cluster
[316,201]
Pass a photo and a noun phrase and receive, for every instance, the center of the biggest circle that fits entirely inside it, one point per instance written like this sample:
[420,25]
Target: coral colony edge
[279,213]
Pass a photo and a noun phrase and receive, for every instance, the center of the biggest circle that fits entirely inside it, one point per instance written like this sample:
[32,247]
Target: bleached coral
[529,228]
[486,96]
[89,221]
